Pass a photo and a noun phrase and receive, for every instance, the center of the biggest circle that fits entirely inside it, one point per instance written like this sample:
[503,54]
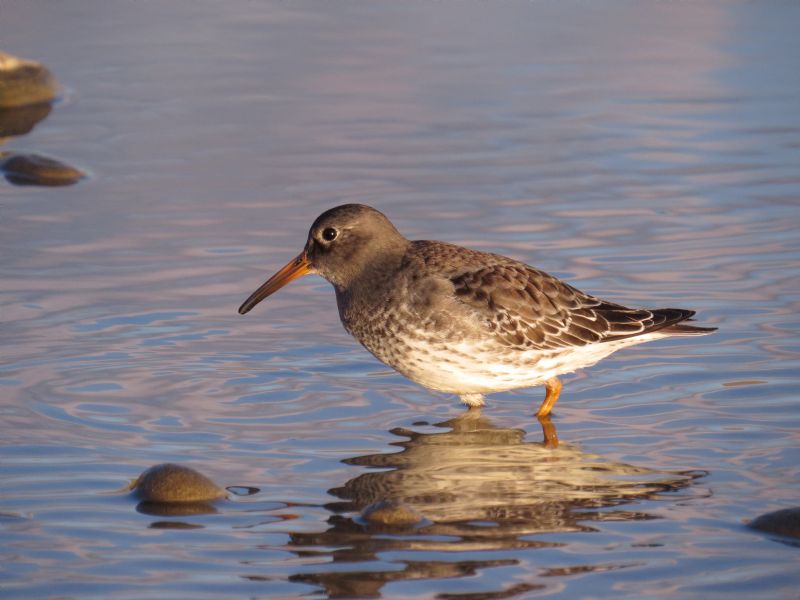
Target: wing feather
[528,308]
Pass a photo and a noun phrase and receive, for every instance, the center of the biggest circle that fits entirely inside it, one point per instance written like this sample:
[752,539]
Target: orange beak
[295,268]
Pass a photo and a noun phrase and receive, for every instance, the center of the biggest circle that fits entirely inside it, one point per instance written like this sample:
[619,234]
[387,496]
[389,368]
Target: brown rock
[24,82]
[783,522]
[34,169]
[175,483]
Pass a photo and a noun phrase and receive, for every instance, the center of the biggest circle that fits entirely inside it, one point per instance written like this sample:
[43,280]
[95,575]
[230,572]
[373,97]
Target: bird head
[344,244]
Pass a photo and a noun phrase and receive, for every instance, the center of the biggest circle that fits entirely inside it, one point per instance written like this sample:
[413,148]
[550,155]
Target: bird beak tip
[297,267]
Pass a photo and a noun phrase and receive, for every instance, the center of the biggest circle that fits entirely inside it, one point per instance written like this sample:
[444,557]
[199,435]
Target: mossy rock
[167,483]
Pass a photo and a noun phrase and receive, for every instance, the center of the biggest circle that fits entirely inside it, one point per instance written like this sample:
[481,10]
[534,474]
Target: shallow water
[648,153]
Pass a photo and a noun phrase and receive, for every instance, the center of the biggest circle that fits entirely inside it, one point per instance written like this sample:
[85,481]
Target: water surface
[648,153]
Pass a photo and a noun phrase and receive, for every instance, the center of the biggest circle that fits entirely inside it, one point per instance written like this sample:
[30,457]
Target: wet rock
[168,483]
[391,514]
[782,522]
[34,169]
[24,82]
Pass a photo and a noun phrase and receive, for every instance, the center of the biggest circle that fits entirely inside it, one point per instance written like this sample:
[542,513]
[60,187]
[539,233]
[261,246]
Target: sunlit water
[646,152]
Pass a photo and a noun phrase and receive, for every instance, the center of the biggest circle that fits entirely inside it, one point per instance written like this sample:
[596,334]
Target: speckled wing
[529,309]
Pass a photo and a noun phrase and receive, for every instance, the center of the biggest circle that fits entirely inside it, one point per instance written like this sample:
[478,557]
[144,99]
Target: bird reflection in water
[480,488]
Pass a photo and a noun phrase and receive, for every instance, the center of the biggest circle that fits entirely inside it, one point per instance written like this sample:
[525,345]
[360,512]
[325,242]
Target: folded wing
[530,309]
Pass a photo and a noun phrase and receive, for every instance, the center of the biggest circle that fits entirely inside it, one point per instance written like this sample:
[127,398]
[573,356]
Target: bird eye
[329,234]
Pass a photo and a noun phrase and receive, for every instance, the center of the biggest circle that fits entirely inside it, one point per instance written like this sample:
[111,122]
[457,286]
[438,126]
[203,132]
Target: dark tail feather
[682,329]
[674,322]
[669,321]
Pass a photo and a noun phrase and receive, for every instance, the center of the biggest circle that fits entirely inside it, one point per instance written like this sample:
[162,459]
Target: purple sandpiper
[460,321]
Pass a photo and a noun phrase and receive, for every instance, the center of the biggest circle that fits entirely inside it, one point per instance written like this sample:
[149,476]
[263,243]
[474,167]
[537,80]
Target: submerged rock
[34,169]
[391,514]
[168,483]
[783,522]
[24,82]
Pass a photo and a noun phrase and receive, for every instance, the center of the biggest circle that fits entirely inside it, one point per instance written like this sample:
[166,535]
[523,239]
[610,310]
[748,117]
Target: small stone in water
[783,522]
[175,483]
[24,82]
[33,169]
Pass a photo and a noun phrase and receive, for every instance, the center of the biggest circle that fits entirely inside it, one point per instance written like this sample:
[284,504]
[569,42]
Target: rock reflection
[480,488]
[21,120]
[176,509]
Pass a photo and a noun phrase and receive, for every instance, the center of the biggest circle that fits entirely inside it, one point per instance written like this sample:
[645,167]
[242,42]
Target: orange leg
[553,390]
[549,432]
